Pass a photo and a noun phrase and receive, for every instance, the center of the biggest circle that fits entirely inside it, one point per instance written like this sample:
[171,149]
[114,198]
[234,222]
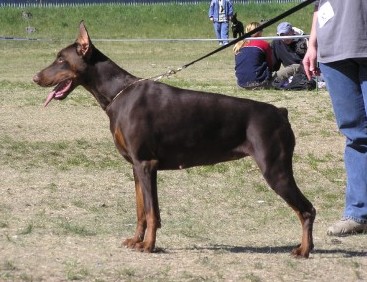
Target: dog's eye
[60,60]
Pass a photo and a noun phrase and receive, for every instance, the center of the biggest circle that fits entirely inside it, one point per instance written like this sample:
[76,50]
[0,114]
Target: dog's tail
[288,133]
[283,112]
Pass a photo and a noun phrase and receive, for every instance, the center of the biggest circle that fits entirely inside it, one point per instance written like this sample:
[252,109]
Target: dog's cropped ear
[83,41]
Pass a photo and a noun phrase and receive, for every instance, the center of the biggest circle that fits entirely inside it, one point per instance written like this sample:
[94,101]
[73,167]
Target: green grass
[27,230]
[72,228]
[64,155]
[121,22]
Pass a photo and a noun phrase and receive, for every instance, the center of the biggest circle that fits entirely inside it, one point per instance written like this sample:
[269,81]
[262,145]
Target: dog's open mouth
[59,92]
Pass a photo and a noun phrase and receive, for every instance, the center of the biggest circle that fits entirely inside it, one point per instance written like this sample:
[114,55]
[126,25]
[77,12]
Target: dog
[237,27]
[160,127]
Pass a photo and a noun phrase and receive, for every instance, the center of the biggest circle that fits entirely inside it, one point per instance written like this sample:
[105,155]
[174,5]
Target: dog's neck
[105,79]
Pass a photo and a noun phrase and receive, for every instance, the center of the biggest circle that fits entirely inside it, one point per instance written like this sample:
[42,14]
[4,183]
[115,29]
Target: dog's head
[234,18]
[67,69]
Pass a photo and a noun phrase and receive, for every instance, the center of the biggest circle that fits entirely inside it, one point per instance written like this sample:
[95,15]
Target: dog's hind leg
[282,181]
[145,174]
[275,162]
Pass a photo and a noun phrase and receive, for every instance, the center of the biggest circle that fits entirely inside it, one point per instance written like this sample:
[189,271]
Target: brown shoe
[346,227]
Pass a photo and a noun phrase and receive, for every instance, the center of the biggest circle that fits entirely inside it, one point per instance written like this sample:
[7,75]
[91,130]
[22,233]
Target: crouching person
[287,59]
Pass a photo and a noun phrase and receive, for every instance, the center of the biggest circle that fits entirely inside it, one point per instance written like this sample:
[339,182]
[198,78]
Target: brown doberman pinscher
[159,127]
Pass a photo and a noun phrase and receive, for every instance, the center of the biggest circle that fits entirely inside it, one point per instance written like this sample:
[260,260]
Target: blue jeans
[221,31]
[346,82]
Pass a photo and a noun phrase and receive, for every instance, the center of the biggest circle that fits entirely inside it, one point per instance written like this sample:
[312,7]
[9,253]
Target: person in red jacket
[253,61]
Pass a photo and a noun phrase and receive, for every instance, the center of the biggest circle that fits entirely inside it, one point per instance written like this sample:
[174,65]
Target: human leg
[217,30]
[347,84]
[224,32]
[288,71]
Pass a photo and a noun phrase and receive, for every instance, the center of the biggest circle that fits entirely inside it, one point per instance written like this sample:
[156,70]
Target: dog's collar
[123,89]
[155,78]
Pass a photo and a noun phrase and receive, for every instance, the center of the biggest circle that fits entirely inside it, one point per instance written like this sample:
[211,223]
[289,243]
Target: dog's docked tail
[284,112]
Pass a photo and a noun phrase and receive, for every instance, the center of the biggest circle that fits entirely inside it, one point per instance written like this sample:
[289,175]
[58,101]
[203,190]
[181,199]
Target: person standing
[338,42]
[220,13]
[253,61]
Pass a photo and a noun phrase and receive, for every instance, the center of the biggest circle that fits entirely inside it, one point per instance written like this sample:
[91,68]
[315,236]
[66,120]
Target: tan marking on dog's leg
[146,172]
[141,217]
[306,246]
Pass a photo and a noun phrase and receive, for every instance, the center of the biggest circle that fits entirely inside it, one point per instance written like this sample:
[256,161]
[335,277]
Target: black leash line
[248,34]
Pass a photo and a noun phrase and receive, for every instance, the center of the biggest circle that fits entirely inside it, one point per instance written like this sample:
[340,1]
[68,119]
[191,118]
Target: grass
[67,197]
[68,227]
[57,154]
[155,21]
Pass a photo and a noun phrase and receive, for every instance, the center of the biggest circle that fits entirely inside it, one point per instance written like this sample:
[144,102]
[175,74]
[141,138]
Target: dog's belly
[171,160]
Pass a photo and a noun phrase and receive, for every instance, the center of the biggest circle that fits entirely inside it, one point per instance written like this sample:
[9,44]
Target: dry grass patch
[67,197]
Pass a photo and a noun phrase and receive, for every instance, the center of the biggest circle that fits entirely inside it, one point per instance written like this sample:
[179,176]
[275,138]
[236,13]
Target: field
[67,197]
[129,22]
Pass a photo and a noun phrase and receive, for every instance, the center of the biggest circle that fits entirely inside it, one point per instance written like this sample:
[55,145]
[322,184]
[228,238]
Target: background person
[288,52]
[220,13]
[253,65]
[338,41]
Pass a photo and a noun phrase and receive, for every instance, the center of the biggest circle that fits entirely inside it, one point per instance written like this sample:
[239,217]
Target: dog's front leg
[148,214]
[140,213]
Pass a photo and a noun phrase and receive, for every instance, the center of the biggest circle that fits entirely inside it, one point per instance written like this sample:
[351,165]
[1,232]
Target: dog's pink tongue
[49,98]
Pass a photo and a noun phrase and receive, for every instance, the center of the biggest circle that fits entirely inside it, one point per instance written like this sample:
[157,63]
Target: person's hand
[310,62]
[211,19]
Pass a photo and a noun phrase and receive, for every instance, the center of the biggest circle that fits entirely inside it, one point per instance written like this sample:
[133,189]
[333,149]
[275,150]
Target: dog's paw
[138,245]
[144,247]
[130,243]
[300,252]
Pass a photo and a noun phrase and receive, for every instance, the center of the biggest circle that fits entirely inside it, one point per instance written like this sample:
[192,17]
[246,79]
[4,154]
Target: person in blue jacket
[220,13]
